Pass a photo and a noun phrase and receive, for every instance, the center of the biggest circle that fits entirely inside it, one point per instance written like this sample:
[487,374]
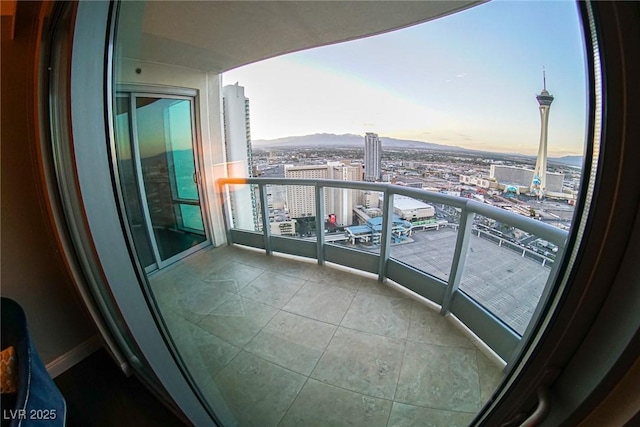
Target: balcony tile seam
[480,345]
[438,408]
[348,308]
[352,391]
[262,302]
[416,297]
[308,318]
[215,382]
[407,339]
[343,389]
[310,375]
[479,380]
[444,345]
[364,290]
[314,366]
[401,295]
[235,345]
[293,401]
[292,275]
[264,360]
[479,404]
[356,288]
[390,291]
[214,378]
[324,351]
[349,270]
[371,333]
[404,352]
[176,311]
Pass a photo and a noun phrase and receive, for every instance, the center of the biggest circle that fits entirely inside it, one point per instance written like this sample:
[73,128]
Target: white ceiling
[221,35]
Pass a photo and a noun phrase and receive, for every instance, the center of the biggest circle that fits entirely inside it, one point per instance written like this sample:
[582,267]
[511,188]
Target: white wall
[33,270]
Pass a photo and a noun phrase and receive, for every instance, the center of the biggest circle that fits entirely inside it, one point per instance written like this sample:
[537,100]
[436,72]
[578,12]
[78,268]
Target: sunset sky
[468,79]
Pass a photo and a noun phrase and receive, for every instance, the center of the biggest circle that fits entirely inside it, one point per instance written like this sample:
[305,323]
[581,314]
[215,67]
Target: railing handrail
[544,231]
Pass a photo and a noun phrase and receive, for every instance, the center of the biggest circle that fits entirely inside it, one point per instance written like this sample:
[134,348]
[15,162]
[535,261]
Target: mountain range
[330,140]
[347,141]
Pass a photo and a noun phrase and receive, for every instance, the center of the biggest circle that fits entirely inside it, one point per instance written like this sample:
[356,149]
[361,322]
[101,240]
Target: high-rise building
[301,199]
[522,177]
[239,155]
[341,200]
[539,182]
[372,157]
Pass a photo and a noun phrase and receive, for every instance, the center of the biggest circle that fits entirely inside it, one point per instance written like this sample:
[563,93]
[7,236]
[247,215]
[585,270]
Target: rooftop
[407,203]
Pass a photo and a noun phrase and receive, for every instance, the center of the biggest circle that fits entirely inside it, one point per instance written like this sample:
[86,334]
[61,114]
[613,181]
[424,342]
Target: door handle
[542,410]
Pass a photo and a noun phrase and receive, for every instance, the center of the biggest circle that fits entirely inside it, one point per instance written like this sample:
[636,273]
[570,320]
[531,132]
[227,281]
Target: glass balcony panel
[506,270]
[244,207]
[365,230]
[292,211]
[344,217]
[425,235]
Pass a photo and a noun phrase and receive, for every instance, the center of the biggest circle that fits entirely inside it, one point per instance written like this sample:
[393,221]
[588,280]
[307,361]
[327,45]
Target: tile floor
[274,341]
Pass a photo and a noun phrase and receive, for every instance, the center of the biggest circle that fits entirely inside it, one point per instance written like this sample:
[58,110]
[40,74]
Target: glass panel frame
[506,271]
[436,258]
[178,204]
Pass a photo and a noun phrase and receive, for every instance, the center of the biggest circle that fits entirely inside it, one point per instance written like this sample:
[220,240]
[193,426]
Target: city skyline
[481,93]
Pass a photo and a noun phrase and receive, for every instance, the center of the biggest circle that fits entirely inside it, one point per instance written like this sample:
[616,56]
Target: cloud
[461,75]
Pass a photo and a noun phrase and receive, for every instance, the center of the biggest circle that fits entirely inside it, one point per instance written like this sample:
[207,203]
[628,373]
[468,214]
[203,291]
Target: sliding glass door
[159,177]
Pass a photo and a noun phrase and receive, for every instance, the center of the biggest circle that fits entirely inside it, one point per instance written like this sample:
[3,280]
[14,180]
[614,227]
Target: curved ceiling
[220,35]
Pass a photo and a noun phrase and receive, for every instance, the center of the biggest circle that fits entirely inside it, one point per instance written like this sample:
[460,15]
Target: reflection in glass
[165,144]
[245,207]
[129,183]
[156,168]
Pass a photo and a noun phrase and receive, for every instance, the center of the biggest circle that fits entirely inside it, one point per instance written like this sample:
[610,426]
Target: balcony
[488,266]
[281,330]
[284,341]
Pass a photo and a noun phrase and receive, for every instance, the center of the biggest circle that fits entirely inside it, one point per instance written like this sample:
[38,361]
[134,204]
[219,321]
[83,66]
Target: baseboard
[74,356]
[480,345]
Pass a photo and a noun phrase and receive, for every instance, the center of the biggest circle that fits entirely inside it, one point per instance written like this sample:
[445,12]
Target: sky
[467,79]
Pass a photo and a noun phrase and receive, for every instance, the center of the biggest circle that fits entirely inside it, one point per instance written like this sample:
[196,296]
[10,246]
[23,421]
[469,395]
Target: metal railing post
[266,227]
[459,256]
[385,239]
[226,211]
[320,223]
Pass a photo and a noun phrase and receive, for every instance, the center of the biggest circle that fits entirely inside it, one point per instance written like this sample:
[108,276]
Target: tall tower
[237,135]
[539,182]
[372,157]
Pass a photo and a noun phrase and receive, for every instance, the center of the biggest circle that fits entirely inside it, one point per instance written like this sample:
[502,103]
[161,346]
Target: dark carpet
[99,394]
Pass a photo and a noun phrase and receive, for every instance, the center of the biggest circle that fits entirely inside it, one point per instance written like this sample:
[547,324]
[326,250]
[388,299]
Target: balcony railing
[497,291]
